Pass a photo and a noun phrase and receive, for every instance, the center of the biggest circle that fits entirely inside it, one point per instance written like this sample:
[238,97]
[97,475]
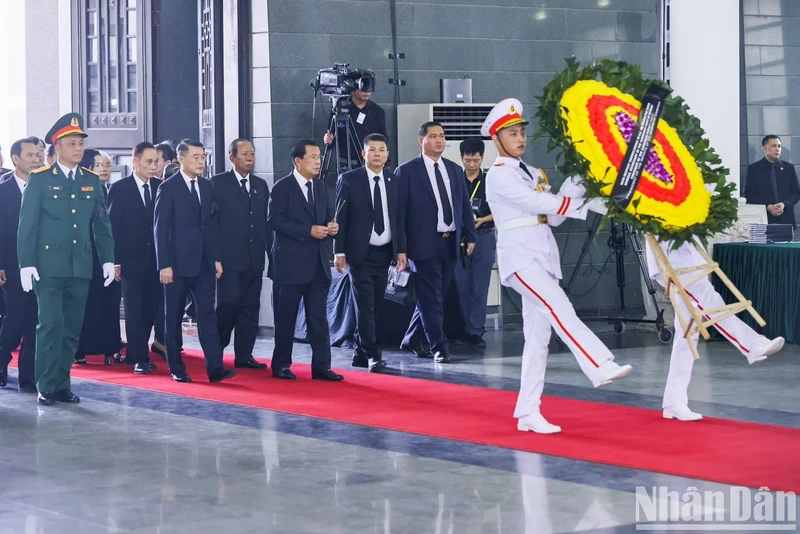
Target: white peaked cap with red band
[506,113]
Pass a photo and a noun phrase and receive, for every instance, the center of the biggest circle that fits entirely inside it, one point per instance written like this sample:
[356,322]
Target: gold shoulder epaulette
[42,169]
[90,170]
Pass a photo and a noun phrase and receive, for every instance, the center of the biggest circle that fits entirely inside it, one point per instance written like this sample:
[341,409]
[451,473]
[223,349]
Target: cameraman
[367,117]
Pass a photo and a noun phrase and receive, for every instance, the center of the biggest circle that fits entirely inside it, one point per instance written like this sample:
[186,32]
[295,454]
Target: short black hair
[88,158]
[166,150]
[183,146]
[299,148]
[423,130]
[472,145]
[233,148]
[36,140]
[377,138]
[16,148]
[139,149]
[51,151]
[768,138]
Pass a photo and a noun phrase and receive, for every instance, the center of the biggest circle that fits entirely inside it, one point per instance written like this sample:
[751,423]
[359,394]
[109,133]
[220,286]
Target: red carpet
[719,450]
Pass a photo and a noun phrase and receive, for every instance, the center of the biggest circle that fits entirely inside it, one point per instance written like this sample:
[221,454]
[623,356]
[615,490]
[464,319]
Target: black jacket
[758,188]
[10,201]
[354,195]
[295,254]
[184,235]
[242,221]
[132,225]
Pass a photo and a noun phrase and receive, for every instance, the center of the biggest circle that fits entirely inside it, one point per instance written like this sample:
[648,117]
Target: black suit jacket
[185,236]
[295,254]
[242,221]
[132,225]
[10,201]
[354,195]
[758,188]
[418,212]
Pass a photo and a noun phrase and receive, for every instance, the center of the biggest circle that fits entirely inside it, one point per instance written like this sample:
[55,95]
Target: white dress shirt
[301,181]
[189,185]
[66,170]
[239,179]
[20,183]
[385,238]
[140,185]
[440,225]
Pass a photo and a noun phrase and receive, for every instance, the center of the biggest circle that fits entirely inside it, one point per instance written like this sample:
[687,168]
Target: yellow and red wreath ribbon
[600,121]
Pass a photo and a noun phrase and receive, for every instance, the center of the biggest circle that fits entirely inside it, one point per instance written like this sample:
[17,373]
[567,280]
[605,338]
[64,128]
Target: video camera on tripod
[338,83]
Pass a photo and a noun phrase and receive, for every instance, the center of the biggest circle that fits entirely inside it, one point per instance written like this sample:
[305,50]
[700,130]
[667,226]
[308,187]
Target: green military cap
[69,124]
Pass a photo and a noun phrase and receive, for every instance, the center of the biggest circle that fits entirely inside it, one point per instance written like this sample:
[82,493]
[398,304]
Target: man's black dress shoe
[358,361]
[284,374]
[181,377]
[252,363]
[418,350]
[151,365]
[376,366]
[28,386]
[46,399]
[141,369]
[328,375]
[226,374]
[442,357]
[3,376]
[66,395]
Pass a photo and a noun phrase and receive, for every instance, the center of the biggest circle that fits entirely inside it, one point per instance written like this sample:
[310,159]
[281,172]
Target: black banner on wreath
[639,146]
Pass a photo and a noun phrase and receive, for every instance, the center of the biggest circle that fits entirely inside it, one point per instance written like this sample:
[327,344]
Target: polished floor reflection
[127,460]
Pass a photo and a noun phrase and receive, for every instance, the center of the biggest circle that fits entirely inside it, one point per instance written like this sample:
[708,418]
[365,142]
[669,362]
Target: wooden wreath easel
[676,291]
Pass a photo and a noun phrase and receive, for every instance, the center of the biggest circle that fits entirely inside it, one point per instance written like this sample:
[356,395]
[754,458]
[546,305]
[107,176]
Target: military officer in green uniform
[61,205]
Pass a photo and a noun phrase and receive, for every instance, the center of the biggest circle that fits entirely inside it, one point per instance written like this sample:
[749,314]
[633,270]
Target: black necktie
[310,195]
[525,170]
[195,199]
[774,178]
[377,207]
[70,176]
[447,210]
[244,187]
[148,199]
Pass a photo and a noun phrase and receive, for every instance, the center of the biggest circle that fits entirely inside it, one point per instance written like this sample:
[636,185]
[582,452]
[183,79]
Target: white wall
[704,70]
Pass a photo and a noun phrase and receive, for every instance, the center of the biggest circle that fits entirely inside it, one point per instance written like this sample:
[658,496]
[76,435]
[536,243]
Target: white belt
[536,220]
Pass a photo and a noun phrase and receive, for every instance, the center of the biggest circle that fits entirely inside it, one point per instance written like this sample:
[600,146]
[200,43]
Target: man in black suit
[131,204]
[22,308]
[368,239]
[242,201]
[303,226]
[434,212]
[773,182]
[189,258]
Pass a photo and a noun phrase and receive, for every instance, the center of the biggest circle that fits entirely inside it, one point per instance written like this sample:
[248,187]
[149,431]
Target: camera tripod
[341,116]
[618,247]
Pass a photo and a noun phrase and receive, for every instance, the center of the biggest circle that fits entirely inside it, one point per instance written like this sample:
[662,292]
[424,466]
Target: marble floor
[127,460]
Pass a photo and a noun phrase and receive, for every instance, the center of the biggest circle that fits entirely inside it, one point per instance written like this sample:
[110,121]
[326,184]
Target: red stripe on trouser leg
[717,325]
[560,324]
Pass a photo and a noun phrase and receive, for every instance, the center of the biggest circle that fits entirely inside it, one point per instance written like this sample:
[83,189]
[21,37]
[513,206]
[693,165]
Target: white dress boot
[608,372]
[681,412]
[535,422]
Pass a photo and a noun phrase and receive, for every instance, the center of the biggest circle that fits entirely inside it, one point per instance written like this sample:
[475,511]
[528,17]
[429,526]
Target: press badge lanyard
[477,185]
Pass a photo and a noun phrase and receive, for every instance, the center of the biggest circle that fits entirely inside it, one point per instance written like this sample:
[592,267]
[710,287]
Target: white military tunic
[528,260]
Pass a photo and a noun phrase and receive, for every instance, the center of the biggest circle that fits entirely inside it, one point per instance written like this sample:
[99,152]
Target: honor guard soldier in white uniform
[755,347]
[528,259]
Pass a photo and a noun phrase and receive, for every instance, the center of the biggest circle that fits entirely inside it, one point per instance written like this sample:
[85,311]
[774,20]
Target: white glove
[27,275]
[597,205]
[108,274]
[572,187]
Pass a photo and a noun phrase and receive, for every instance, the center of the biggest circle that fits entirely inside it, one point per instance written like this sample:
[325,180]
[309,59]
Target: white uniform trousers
[546,306]
[703,296]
